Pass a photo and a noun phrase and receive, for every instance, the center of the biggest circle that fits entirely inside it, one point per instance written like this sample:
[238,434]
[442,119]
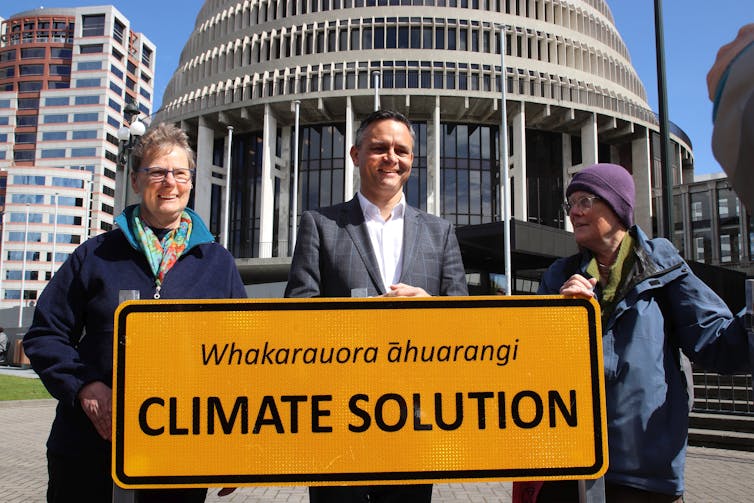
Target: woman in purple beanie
[653,308]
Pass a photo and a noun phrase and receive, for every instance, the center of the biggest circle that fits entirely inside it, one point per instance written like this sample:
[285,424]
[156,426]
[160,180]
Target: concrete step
[721,422]
[719,439]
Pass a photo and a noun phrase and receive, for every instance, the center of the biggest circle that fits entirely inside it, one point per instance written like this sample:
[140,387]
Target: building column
[267,199]
[567,172]
[642,162]
[350,183]
[714,208]
[205,139]
[589,154]
[434,133]
[517,161]
[286,186]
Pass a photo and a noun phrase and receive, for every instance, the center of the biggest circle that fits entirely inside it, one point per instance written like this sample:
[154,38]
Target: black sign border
[330,304]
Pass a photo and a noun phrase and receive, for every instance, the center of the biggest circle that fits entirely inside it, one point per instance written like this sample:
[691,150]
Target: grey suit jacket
[334,255]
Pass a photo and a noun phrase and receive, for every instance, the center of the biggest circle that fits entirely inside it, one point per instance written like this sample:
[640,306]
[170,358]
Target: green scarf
[162,255]
[617,275]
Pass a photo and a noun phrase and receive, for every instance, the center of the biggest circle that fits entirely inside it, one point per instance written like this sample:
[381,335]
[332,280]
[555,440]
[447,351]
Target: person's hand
[403,290]
[577,285]
[725,55]
[225,491]
[96,400]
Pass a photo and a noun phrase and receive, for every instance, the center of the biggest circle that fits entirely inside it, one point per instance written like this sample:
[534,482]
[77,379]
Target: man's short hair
[381,115]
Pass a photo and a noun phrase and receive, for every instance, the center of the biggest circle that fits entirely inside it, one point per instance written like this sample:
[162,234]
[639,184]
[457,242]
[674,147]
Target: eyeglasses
[181,175]
[583,203]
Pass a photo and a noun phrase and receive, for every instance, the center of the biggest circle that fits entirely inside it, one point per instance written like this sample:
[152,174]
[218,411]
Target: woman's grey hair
[162,138]
[381,115]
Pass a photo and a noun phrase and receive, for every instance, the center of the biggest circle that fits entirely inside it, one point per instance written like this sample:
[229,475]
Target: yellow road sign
[348,391]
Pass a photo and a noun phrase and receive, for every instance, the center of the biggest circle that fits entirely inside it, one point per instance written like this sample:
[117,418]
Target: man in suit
[376,245]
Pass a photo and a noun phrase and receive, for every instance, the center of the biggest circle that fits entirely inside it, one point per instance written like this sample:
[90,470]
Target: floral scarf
[162,255]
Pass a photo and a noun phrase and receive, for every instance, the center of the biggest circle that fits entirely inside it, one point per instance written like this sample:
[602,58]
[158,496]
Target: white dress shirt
[386,237]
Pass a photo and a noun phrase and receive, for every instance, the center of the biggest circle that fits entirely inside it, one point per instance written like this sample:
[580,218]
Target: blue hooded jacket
[70,342]
[647,406]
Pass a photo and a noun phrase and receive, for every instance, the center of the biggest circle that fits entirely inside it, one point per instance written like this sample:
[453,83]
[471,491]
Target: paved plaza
[712,475]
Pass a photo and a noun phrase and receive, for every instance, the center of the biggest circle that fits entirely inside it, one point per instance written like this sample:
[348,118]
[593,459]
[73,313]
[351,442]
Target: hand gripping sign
[354,391]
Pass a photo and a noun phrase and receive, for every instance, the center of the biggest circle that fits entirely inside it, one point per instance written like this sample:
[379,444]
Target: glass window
[29,180]
[146,56]
[50,153]
[366,38]
[54,118]
[73,183]
[30,86]
[57,101]
[8,55]
[83,152]
[26,137]
[64,70]
[89,65]
[416,37]
[67,201]
[23,155]
[23,120]
[93,25]
[379,37]
[468,177]
[28,103]
[91,49]
[451,39]
[33,53]
[116,71]
[88,83]
[60,53]
[53,135]
[392,33]
[85,135]
[87,100]
[118,30]
[25,70]
[27,198]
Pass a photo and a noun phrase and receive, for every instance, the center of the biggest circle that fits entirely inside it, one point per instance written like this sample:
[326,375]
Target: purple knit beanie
[612,183]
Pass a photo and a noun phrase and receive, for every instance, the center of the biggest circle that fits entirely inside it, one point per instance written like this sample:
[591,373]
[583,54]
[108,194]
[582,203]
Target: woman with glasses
[162,249]
[653,307]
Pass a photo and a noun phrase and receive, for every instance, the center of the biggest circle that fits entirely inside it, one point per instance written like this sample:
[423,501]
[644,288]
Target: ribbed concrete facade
[572,99]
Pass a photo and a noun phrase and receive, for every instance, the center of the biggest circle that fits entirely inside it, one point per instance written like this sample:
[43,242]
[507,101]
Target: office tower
[66,76]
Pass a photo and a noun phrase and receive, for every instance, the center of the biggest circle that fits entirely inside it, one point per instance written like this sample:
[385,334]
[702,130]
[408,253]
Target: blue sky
[694,31]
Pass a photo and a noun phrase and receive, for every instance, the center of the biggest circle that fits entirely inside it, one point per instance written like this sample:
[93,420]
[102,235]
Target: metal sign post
[750,322]
[121,495]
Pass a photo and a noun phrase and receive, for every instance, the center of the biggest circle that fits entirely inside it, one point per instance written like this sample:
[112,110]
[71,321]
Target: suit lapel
[352,219]
[410,240]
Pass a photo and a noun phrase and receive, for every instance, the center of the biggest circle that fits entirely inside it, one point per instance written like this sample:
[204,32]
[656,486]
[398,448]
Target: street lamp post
[128,136]
[294,211]
[226,213]
[504,171]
